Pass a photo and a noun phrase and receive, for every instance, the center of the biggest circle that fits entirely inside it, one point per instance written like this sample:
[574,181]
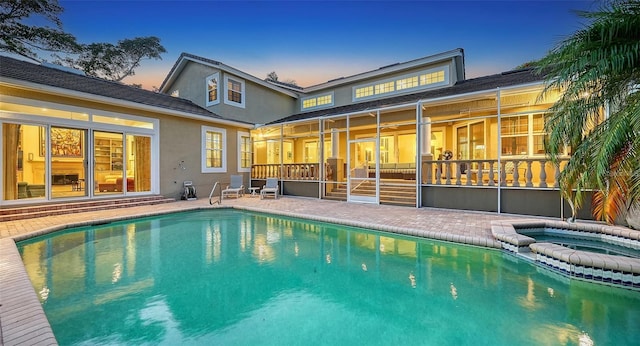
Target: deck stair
[390,194]
[12,213]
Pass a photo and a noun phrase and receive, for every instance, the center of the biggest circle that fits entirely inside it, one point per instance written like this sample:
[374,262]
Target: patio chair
[235,187]
[270,188]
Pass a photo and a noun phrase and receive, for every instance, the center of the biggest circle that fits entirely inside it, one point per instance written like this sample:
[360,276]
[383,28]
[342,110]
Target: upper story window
[364,92]
[244,152]
[213,84]
[214,154]
[411,82]
[324,100]
[407,83]
[234,91]
[432,78]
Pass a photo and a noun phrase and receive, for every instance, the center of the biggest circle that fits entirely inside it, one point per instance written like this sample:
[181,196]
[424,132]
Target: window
[432,78]
[522,135]
[244,152]
[407,83]
[213,150]
[364,92]
[411,82]
[234,94]
[309,103]
[317,101]
[213,82]
[384,88]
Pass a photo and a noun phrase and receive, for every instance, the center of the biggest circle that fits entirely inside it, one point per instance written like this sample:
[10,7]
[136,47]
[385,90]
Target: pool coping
[609,269]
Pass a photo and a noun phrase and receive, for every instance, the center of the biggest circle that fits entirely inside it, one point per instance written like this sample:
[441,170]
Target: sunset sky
[312,42]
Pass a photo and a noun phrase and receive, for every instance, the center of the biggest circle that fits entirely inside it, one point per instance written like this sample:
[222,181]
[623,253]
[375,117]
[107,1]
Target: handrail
[211,194]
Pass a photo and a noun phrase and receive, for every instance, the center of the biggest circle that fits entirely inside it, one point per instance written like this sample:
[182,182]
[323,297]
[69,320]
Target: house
[66,136]
[415,133]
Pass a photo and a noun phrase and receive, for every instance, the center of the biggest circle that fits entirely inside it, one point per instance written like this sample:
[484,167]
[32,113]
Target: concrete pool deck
[22,320]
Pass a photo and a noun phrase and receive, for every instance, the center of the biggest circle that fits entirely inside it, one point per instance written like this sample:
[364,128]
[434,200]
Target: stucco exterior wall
[262,105]
[181,146]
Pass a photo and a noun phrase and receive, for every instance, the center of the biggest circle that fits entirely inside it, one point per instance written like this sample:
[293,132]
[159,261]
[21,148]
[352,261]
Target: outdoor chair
[270,188]
[235,187]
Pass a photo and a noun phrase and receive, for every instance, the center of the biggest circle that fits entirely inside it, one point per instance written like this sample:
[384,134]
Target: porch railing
[289,171]
[522,172]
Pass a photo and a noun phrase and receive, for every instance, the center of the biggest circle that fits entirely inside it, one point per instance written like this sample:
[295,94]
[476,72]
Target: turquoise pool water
[225,277]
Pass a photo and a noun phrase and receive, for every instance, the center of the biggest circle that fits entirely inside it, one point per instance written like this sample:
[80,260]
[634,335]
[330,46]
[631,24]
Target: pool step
[13,213]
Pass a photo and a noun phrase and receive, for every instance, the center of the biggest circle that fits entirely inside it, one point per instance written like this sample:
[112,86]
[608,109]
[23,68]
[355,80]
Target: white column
[426,135]
[335,143]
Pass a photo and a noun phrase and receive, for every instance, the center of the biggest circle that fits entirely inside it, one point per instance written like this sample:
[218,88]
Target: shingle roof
[505,79]
[39,74]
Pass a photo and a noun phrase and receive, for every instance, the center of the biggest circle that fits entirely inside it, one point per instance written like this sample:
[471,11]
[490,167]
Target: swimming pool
[230,277]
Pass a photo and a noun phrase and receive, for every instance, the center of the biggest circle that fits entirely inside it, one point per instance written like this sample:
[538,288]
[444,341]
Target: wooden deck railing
[289,171]
[524,172]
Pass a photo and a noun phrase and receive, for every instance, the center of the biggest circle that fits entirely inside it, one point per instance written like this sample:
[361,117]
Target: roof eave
[16,83]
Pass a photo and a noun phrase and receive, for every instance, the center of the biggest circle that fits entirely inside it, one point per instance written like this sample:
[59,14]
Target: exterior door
[362,179]
[108,168]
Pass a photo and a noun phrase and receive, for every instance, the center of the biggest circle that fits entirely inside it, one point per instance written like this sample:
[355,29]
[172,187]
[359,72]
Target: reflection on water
[210,277]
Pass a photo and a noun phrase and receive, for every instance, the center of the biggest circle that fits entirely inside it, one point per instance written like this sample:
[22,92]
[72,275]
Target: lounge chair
[270,188]
[235,187]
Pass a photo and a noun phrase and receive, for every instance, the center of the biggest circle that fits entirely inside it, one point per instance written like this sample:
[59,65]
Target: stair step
[43,210]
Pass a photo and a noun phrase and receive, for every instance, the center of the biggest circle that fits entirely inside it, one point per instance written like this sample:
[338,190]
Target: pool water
[226,277]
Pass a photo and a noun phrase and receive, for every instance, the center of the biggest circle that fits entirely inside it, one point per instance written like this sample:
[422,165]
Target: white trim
[203,150]
[215,76]
[243,95]
[239,150]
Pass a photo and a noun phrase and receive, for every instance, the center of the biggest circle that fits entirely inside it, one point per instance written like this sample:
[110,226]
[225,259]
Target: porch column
[335,143]
[426,150]
[335,165]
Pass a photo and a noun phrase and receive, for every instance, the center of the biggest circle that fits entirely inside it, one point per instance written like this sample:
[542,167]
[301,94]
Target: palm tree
[598,114]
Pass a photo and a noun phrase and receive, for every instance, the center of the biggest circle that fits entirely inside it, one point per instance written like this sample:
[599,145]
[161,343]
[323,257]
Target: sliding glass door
[108,168]
[23,161]
[68,162]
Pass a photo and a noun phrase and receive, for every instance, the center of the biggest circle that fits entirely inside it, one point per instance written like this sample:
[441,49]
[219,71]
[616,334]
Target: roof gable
[185,58]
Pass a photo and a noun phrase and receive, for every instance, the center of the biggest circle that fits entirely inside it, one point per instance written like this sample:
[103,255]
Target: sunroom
[476,150]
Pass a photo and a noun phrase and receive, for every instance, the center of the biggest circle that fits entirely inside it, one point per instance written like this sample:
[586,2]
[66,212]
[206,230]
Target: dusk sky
[312,42]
